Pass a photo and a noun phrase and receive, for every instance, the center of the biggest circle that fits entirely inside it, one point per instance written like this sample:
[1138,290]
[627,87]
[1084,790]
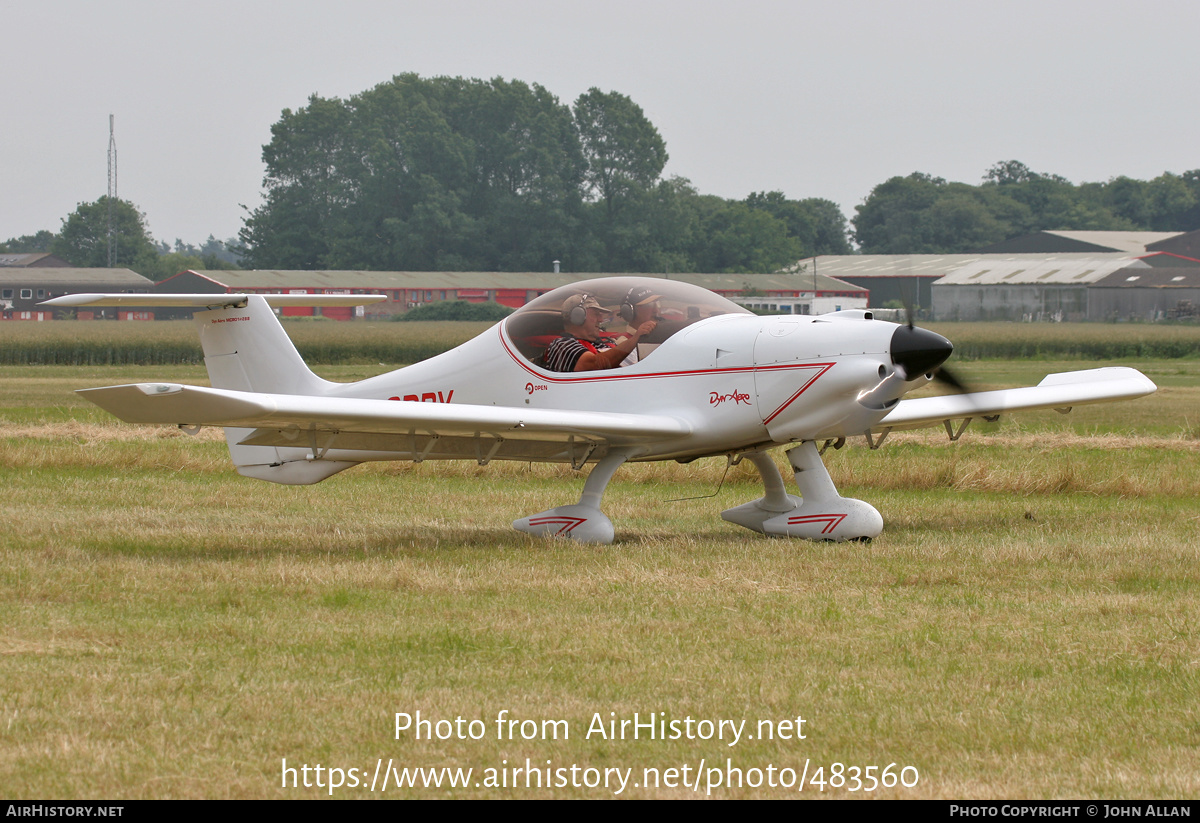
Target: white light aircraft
[713,379]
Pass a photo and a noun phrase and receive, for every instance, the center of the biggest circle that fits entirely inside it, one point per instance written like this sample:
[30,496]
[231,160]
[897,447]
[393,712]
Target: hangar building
[1023,287]
[407,290]
[22,288]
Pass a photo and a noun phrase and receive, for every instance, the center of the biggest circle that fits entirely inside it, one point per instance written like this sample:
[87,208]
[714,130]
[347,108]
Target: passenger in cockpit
[583,347]
[639,307]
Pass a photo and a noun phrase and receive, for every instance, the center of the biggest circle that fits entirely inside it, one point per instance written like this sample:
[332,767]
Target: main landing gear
[820,513]
[584,521]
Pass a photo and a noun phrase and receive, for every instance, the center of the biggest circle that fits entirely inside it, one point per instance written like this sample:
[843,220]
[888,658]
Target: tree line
[83,242]
[461,174]
[470,175]
[924,214]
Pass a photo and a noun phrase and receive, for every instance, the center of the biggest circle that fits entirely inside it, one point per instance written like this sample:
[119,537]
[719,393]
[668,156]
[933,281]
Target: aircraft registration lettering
[427,397]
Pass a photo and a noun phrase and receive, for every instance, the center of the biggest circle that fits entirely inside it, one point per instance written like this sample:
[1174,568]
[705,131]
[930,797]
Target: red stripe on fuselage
[792,399]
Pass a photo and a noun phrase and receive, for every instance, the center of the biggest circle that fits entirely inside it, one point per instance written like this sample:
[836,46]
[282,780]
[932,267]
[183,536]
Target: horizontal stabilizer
[1056,391]
[210,301]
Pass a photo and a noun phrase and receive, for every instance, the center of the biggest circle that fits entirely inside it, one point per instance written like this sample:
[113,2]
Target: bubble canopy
[533,326]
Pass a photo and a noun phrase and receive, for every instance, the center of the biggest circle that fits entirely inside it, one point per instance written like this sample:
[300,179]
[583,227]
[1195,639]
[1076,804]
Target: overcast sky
[815,99]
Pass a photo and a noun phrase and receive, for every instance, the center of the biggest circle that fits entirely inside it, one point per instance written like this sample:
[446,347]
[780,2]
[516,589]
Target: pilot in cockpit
[583,347]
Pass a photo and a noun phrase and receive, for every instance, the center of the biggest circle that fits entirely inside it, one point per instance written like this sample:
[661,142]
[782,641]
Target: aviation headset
[635,296]
[628,309]
[574,311]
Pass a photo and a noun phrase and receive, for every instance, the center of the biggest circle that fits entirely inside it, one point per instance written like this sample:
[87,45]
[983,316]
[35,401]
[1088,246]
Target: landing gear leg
[820,514]
[775,499]
[583,521]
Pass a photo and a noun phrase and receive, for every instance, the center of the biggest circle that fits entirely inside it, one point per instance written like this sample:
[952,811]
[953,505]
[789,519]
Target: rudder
[246,349]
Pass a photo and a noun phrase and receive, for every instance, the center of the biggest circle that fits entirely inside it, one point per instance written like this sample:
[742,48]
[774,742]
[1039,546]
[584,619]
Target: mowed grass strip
[1026,626]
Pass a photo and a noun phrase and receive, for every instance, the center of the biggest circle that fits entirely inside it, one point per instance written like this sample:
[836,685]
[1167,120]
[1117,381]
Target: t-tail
[246,349]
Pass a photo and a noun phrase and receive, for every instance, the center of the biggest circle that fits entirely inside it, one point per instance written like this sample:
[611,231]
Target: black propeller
[944,375]
[919,351]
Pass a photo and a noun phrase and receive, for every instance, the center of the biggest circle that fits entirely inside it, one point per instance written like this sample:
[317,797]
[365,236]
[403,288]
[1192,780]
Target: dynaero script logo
[716,398]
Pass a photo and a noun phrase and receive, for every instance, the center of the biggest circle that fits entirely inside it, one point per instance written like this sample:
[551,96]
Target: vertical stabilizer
[246,349]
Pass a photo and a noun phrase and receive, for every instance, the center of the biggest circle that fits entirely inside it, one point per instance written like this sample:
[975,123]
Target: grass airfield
[1027,626]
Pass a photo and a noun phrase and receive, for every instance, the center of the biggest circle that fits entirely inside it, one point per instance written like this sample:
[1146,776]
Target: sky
[815,99]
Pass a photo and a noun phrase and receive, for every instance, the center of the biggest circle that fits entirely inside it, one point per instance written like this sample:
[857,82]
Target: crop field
[1027,625]
[328,342]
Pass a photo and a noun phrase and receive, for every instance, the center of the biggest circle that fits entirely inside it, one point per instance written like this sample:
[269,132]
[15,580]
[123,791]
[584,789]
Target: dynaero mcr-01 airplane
[712,379]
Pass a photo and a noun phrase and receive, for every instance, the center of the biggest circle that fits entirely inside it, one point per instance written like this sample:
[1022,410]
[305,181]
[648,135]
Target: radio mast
[112,194]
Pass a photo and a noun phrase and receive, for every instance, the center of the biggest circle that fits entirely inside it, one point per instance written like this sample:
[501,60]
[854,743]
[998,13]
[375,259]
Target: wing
[403,429]
[1056,391]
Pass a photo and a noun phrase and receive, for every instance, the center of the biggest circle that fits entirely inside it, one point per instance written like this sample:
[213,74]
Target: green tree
[920,213]
[456,310]
[1008,173]
[527,172]
[307,189]
[891,219]
[84,237]
[451,173]
[741,240]
[1129,199]
[416,173]
[1189,219]
[29,243]
[1055,204]
[1170,203]
[624,155]
[818,225]
[624,152]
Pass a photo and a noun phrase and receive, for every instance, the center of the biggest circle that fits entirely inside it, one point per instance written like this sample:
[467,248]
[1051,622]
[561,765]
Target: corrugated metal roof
[7,259]
[1133,242]
[884,265]
[1166,259]
[383,280]
[932,265]
[802,281]
[1147,277]
[74,277]
[1058,269]
[338,279]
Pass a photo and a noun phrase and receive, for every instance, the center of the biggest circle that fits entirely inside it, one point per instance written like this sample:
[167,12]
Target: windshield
[675,305]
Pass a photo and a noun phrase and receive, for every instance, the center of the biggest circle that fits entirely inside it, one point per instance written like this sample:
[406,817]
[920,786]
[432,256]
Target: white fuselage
[737,380]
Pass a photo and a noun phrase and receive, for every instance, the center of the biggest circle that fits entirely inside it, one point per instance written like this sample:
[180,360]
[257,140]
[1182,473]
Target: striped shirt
[564,353]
